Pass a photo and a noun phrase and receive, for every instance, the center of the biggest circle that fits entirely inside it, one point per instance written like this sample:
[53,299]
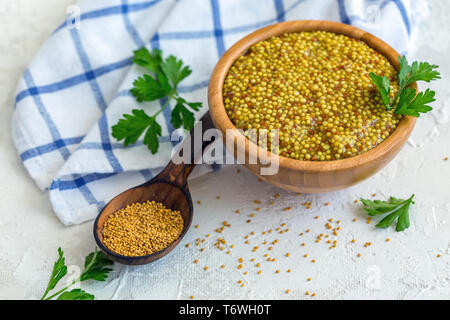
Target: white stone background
[406,267]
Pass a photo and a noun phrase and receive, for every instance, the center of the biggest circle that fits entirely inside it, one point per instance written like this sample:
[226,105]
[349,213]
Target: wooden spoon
[169,188]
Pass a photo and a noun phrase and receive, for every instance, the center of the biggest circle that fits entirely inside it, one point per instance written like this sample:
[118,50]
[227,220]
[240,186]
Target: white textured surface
[404,268]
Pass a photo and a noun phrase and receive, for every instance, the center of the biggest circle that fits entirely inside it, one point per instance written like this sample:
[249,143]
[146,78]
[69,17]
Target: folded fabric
[78,84]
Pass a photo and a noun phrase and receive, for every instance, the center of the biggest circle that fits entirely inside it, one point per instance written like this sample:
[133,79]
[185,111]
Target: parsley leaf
[151,61]
[96,267]
[161,82]
[75,294]
[394,208]
[418,71]
[382,83]
[181,115]
[174,70]
[132,127]
[146,88]
[410,104]
[406,102]
[151,137]
[193,105]
[58,272]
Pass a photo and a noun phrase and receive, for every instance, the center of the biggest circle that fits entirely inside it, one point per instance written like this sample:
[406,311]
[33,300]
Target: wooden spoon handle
[178,173]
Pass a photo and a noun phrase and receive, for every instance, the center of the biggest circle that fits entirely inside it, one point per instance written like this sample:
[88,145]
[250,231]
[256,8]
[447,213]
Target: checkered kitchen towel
[78,84]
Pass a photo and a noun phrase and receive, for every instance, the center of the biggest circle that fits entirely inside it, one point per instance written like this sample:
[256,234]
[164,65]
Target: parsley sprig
[96,267]
[394,209]
[161,82]
[406,102]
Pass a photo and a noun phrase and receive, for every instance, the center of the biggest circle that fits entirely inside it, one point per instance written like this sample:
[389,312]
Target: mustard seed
[141,229]
[315,88]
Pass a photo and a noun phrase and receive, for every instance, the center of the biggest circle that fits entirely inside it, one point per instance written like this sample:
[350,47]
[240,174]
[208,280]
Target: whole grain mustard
[314,87]
[141,229]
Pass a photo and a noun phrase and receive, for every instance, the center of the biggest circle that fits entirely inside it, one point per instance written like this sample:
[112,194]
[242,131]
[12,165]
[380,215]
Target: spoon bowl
[169,188]
[170,194]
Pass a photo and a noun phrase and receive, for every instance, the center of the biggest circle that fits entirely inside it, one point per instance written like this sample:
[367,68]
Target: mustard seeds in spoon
[141,229]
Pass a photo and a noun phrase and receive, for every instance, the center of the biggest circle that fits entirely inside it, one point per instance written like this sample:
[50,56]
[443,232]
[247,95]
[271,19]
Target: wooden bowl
[309,176]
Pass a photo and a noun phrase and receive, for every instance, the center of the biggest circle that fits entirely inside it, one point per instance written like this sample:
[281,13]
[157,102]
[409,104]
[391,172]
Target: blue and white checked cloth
[78,84]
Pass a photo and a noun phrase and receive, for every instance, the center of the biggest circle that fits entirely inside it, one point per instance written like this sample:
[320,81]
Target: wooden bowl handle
[178,173]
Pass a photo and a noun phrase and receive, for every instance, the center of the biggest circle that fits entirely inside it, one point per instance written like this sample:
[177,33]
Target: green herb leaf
[58,272]
[394,208]
[132,126]
[75,294]
[146,88]
[405,70]
[418,71]
[96,267]
[162,83]
[151,137]
[193,105]
[151,61]
[181,115]
[411,104]
[382,83]
[174,70]
[406,102]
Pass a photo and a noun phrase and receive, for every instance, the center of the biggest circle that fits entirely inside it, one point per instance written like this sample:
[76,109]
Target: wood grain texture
[169,188]
[309,176]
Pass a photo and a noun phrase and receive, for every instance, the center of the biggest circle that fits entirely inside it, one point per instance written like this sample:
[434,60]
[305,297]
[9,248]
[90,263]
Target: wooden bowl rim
[223,122]
[139,260]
